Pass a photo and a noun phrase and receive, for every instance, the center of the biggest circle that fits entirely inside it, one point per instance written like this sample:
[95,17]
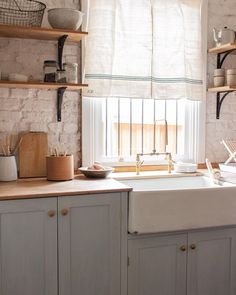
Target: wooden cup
[60,168]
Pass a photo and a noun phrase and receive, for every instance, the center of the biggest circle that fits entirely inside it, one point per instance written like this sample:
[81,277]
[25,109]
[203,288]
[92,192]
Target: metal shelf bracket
[222,56]
[220,96]
[61,43]
[60,94]
[219,101]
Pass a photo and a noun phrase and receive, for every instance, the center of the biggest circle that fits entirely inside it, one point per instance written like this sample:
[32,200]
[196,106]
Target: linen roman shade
[144,49]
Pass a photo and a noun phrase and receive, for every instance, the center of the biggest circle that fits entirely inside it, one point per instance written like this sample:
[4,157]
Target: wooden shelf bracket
[60,94]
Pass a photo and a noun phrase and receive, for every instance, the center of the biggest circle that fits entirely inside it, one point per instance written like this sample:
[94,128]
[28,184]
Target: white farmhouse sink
[173,183]
[183,203]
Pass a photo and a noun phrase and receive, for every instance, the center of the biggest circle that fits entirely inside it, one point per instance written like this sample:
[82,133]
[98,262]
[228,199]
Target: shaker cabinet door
[157,265]
[212,262]
[89,245]
[28,247]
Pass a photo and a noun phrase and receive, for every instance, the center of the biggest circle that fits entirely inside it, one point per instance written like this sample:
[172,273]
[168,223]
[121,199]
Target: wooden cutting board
[32,153]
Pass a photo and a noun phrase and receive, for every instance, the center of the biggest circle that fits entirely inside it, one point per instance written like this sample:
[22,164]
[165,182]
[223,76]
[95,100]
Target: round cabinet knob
[183,248]
[51,213]
[64,212]
[193,246]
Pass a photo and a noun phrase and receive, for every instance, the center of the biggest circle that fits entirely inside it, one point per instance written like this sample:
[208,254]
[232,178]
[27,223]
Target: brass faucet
[170,161]
[139,163]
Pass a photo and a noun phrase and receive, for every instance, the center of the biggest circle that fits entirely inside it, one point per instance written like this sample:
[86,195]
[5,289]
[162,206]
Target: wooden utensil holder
[60,168]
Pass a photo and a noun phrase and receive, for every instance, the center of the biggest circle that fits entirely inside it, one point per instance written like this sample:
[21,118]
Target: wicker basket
[27,13]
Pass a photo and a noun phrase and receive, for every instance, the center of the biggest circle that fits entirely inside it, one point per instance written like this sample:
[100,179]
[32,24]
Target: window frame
[196,127]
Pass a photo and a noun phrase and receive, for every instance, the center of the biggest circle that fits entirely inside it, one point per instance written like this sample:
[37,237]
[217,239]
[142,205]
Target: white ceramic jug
[8,169]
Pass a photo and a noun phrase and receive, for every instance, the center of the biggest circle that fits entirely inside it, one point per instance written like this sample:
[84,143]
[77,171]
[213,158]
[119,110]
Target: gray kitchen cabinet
[28,247]
[212,262]
[160,265]
[157,265]
[90,245]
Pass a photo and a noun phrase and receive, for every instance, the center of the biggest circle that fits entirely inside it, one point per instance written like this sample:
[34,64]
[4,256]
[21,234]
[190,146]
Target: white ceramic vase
[8,169]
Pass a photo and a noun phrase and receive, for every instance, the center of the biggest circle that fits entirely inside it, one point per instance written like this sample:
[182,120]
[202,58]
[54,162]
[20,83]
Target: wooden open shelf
[223,48]
[41,85]
[222,89]
[60,36]
[10,31]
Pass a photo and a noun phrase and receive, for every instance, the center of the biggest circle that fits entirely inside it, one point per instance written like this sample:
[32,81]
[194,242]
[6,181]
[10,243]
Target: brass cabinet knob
[183,248]
[193,246]
[64,212]
[51,213]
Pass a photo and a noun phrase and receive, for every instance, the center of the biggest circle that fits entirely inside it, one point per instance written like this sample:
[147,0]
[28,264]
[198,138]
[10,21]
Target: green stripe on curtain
[143,79]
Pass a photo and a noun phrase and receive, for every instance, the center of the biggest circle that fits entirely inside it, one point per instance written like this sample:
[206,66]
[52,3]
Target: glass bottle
[71,72]
[50,70]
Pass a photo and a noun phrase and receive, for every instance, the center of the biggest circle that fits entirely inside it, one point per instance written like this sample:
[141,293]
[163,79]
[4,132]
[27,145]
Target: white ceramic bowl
[96,173]
[65,18]
[185,167]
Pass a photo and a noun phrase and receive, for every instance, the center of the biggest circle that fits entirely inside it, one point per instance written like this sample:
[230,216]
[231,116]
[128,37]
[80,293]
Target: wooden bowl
[96,173]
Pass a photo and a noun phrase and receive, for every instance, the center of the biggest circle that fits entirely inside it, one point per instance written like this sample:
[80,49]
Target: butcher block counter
[40,188]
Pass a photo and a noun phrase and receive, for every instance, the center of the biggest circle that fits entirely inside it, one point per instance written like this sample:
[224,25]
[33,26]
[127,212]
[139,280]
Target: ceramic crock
[8,169]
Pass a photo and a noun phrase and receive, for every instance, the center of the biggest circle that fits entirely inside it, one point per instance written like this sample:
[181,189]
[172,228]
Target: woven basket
[27,13]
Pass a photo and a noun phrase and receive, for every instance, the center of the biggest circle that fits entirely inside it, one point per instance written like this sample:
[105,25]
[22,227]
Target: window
[115,130]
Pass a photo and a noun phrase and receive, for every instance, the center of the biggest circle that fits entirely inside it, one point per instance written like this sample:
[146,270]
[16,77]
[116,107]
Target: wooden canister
[60,168]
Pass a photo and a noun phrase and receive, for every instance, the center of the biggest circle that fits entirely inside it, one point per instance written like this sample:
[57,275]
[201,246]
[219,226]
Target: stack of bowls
[219,77]
[231,77]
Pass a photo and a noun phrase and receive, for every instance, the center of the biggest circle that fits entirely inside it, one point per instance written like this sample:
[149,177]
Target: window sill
[119,169]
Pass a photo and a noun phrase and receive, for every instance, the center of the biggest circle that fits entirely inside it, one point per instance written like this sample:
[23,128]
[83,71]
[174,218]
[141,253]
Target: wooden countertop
[39,188]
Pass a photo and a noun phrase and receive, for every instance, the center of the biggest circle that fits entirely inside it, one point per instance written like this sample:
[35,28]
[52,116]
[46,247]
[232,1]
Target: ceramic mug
[8,169]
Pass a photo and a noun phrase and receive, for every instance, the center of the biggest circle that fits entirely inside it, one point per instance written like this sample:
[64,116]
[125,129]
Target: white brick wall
[221,13]
[35,110]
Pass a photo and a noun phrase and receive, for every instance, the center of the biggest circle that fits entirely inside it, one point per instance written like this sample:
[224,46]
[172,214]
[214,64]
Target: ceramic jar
[8,169]
[71,72]
[219,77]
[50,70]
[231,77]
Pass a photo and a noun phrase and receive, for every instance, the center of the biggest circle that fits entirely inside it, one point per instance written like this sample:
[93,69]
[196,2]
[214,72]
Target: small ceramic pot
[231,79]
[8,169]
[219,81]
[231,72]
[60,168]
[219,72]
